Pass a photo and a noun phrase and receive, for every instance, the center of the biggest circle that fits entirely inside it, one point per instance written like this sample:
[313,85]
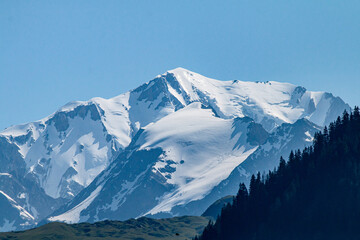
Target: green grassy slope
[135,229]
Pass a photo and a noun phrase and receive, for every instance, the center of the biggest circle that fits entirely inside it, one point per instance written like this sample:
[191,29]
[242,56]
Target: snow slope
[177,151]
[281,142]
[188,138]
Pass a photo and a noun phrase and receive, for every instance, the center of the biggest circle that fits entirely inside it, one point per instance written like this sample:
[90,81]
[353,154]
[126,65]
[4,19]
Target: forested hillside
[315,194]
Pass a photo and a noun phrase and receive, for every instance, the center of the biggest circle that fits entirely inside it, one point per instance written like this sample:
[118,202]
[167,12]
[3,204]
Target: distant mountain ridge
[177,120]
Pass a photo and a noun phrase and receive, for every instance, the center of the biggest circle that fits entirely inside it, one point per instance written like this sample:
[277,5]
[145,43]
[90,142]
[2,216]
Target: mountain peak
[187,77]
[178,70]
[183,71]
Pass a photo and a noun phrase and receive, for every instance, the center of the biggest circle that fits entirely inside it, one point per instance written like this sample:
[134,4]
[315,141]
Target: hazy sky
[53,52]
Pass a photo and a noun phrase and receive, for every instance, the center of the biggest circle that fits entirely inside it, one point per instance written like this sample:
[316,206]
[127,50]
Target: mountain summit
[165,148]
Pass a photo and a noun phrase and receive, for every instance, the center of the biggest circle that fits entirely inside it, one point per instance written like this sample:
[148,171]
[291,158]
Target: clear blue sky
[53,52]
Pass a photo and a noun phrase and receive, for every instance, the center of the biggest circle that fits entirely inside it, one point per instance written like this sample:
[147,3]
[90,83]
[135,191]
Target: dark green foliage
[215,209]
[314,195]
[142,228]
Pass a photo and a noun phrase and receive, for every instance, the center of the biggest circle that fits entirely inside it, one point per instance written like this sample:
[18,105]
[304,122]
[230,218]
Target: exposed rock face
[22,201]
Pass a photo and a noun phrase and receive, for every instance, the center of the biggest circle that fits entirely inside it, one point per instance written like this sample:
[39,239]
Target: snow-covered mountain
[160,147]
